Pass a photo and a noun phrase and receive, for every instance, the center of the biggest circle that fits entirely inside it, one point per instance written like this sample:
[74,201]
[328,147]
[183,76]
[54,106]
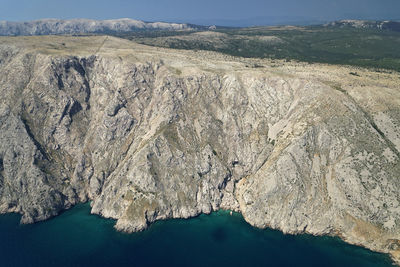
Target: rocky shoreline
[148,133]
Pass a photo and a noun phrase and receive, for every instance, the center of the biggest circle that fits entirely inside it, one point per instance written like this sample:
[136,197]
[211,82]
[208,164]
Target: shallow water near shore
[77,238]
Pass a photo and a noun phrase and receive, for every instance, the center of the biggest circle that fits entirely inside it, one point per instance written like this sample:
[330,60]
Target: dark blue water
[76,238]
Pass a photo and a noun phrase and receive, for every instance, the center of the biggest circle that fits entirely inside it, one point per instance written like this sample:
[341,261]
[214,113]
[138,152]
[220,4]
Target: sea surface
[77,238]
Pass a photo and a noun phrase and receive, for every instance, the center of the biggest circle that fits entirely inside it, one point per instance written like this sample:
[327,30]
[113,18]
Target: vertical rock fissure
[38,145]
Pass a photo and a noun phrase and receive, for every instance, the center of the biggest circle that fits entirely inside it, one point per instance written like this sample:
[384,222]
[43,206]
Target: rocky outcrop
[149,133]
[76,26]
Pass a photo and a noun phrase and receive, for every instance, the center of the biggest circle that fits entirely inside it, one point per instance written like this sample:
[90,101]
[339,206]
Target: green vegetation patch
[373,48]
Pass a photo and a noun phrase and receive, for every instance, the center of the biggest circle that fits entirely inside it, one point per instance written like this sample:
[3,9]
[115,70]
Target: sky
[208,12]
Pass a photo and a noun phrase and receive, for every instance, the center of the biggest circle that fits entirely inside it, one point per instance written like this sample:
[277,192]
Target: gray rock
[149,134]
[58,26]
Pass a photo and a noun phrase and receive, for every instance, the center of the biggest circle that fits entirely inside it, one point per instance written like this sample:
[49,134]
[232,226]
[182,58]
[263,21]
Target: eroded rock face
[149,134]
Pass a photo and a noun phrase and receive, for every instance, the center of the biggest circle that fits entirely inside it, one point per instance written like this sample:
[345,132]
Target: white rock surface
[149,133]
[57,26]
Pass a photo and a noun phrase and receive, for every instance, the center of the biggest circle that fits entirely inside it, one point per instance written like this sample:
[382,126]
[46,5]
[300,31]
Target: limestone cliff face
[149,133]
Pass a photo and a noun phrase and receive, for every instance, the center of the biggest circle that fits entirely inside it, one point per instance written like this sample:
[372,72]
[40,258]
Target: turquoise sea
[76,238]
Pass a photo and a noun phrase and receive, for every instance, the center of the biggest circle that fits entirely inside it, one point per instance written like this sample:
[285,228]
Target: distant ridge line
[74,26]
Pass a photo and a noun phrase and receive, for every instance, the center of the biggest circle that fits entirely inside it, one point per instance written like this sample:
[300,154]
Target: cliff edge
[150,133]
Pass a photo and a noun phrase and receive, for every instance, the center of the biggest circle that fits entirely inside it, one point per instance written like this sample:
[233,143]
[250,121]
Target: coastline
[215,229]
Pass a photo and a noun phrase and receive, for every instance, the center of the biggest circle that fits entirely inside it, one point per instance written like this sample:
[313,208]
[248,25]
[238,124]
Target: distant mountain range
[74,26]
[367,24]
[84,26]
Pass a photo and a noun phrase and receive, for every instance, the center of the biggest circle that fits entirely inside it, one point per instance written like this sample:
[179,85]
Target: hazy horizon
[206,12]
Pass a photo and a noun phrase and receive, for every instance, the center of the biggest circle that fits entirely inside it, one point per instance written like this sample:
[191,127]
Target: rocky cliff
[149,133]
